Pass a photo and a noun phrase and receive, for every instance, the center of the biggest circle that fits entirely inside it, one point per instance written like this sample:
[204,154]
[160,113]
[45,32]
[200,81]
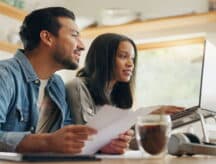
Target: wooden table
[168,160]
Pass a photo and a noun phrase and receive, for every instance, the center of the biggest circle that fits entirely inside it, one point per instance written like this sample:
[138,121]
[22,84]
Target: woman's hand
[119,145]
[168,109]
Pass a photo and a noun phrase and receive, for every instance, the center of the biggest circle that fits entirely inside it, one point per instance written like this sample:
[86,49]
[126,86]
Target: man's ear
[46,38]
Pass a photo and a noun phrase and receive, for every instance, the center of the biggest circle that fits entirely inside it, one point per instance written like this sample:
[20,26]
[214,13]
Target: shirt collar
[26,66]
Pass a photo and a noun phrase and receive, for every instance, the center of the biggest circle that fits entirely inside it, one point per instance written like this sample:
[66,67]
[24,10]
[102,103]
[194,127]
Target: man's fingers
[71,136]
[80,137]
[77,145]
[71,150]
[81,129]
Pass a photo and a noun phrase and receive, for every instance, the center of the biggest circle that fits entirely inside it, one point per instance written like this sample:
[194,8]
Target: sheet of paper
[110,122]
[130,154]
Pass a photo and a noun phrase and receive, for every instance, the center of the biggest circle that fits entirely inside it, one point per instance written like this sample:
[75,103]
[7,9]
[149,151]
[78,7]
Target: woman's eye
[123,56]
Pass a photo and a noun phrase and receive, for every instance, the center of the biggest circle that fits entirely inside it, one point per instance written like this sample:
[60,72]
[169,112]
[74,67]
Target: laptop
[207,95]
[45,157]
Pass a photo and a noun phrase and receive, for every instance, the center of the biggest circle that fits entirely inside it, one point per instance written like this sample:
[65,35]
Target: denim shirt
[19,87]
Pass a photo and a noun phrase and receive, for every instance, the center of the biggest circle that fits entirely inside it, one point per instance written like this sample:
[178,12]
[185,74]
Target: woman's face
[124,63]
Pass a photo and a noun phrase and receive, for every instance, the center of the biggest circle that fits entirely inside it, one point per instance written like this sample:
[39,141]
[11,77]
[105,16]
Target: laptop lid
[205,94]
[208,82]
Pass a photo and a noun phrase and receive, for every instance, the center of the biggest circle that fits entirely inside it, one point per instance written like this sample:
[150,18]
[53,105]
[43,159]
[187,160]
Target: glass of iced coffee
[152,134]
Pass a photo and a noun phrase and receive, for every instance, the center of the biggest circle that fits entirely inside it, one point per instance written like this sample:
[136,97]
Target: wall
[149,8]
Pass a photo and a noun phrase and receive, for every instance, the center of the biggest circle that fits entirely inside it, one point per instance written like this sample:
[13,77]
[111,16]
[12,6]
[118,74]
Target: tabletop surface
[167,160]
[133,158]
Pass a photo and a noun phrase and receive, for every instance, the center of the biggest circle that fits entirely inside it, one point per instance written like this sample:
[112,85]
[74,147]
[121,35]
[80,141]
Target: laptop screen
[208,83]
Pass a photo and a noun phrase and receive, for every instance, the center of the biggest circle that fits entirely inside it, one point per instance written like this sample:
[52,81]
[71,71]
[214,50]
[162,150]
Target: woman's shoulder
[76,87]
[76,83]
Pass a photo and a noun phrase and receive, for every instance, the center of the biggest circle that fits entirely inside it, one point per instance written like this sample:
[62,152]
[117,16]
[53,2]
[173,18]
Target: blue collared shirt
[19,87]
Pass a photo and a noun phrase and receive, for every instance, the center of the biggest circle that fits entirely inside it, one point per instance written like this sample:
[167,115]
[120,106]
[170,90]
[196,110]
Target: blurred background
[170,36]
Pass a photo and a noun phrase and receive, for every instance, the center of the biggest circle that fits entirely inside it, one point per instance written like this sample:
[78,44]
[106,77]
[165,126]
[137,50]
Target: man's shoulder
[57,82]
[8,67]
[57,78]
[7,63]
[9,73]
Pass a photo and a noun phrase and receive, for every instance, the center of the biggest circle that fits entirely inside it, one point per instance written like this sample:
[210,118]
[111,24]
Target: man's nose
[81,45]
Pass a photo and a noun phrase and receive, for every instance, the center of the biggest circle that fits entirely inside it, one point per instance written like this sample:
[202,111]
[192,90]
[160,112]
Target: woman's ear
[46,38]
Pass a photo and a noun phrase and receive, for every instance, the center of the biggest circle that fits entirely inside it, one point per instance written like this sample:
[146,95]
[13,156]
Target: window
[169,73]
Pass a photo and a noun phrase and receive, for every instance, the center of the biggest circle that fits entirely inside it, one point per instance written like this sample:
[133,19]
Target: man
[34,115]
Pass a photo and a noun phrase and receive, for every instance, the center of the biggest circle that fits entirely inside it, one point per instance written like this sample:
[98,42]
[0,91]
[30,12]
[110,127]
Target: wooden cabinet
[11,12]
[154,24]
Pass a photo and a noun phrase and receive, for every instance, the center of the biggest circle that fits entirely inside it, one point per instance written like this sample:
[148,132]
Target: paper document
[110,122]
[130,154]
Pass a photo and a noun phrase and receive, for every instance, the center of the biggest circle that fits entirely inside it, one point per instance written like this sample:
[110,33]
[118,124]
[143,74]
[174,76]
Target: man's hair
[42,19]
[99,70]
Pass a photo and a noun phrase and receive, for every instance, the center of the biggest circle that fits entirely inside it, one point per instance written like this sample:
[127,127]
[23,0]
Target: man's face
[68,46]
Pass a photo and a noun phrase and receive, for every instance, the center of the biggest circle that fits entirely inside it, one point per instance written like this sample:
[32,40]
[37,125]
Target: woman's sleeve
[79,101]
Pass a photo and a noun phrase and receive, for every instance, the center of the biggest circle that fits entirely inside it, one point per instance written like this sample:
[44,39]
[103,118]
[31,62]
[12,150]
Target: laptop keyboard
[187,116]
[184,113]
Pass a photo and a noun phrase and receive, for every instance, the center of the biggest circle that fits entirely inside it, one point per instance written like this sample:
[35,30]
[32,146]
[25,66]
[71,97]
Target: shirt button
[36,81]
[32,129]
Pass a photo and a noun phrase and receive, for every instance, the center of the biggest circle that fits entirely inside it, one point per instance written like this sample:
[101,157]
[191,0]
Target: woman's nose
[130,63]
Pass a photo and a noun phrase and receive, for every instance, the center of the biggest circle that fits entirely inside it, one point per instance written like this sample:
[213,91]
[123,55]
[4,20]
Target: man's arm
[8,140]
[69,139]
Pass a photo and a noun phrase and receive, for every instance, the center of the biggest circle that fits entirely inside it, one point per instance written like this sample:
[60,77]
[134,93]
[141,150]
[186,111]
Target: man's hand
[168,110]
[69,139]
[119,145]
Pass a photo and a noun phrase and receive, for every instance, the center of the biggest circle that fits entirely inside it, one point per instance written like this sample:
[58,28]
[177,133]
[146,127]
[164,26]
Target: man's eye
[74,35]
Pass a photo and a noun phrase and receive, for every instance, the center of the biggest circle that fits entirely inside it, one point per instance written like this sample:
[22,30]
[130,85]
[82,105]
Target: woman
[106,78]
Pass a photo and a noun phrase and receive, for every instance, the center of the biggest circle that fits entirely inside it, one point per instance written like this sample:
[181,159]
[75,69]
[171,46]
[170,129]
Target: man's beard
[67,63]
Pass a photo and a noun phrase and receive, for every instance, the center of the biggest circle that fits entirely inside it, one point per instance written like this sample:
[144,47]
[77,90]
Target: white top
[42,112]
[43,84]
